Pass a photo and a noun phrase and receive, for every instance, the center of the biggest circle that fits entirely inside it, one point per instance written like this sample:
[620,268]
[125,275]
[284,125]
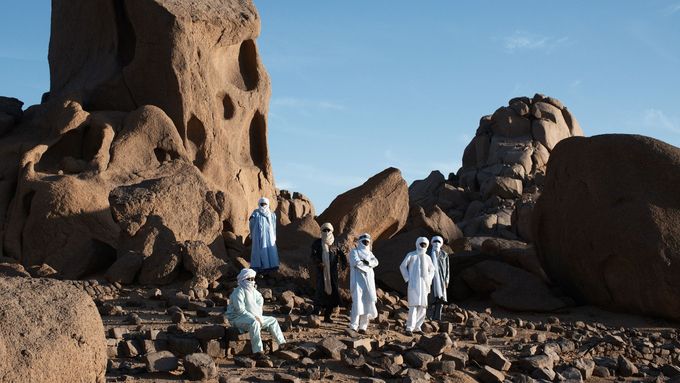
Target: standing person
[263,255]
[362,284]
[417,270]
[327,256]
[440,282]
[245,312]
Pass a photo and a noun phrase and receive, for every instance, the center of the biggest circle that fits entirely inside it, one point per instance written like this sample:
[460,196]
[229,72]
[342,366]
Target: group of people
[427,276]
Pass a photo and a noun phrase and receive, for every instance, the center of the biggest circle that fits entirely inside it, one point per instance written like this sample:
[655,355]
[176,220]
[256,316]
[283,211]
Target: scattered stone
[491,375]
[601,372]
[585,366]
[435,345]
[200,366]
[417,359]
[332,347]
[162,361]
[531,363]
[242,361]
[478,353]
[625,367]
[543,374]
[497,360]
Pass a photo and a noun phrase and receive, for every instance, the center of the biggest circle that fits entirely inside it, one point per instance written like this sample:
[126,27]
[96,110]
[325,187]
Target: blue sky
[358,86]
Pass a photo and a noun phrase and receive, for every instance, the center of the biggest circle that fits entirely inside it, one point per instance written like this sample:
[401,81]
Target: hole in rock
[126,34]
[247,62]
[163,155]
[228,107]
[105,256]
[258,140]
[196,137]
[69,145]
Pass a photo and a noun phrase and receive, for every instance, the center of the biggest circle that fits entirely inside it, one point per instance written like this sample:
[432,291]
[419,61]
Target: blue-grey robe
[263,256]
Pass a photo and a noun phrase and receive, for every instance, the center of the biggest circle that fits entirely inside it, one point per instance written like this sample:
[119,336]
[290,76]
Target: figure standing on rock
[362,284]
[245,312]
[264,256]
[327,256]
[440,282]
[417,270]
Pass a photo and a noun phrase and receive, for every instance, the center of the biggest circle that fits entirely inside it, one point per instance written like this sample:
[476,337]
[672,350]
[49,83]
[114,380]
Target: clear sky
[358,86]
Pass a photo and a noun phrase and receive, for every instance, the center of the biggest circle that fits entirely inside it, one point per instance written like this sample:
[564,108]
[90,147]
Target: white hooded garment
[418,271]
[362,279]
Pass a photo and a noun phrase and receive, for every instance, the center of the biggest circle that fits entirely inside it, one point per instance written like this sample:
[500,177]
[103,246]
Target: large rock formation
[502,170]
[196,63]
[606,225]
[49,332]
[491,196]
[378,207]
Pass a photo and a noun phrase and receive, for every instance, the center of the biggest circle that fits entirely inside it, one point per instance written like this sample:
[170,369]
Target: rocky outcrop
[172,205]
[196,63]
[606,225]
[292,207]
[502,170]
[377,207]
[49,332]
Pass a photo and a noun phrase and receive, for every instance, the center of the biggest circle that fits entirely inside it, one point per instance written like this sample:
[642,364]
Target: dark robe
[337,258]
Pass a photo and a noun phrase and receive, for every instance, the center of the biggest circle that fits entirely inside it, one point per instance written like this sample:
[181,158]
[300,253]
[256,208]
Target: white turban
[362,237]
[263,209]
[243,276]
[437,243]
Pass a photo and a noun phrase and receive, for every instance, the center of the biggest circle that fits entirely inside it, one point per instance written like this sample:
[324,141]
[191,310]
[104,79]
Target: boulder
[155,216]
[379,207]
[161,361]
[50,332]
[199,260]
[294,242]
[510,287]
[200,366]
[606,224]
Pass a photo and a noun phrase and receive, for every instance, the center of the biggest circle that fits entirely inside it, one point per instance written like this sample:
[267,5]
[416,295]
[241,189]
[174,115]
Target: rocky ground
[156,335]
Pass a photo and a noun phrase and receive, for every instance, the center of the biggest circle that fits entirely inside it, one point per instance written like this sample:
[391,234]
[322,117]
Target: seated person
[245,312]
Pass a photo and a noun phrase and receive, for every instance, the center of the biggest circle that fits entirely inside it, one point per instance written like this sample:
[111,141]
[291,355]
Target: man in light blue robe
[263,255]
[245,313]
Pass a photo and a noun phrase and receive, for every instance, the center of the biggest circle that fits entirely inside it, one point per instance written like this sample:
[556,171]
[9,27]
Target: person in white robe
[264,255]
[440,282]
[362,284]
[417,270]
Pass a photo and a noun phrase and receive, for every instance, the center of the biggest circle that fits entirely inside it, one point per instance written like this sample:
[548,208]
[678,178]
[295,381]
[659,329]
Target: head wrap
[422,254]
[263,209]
[326,241]
[243,276]
[362,237]
[437,246]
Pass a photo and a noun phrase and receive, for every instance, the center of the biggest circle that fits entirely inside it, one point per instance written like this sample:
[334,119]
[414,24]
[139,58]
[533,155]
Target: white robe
[418,285]
[362,282]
